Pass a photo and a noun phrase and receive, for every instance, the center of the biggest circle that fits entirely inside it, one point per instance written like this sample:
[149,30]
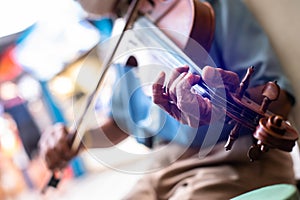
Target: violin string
[220,102]
[171,55]
[217,100]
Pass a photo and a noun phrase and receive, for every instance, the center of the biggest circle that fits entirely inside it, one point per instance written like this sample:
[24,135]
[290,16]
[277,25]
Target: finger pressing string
[175,74]
[160,96]
[159,90]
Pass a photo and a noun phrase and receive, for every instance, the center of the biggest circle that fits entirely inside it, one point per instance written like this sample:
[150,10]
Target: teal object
[272,192]
[78,167]
[55,112]
[105,26]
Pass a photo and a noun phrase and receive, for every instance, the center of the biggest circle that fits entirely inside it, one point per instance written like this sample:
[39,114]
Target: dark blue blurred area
[27,128]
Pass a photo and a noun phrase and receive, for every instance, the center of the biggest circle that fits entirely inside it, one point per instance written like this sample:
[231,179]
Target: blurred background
[44,45]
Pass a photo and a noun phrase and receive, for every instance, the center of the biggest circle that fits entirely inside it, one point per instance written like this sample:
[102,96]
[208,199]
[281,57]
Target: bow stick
[129,20]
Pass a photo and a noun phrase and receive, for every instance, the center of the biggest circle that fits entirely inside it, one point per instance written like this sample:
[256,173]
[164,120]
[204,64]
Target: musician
[238,43]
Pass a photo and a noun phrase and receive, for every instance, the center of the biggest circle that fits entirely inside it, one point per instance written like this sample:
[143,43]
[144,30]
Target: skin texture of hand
[55,147]
[176,96]
[55,143]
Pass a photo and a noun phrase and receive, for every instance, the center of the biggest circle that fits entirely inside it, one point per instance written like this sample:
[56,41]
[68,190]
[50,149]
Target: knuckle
[181,105]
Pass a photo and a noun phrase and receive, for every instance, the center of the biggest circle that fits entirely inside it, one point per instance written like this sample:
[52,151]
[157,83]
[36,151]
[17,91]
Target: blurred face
[98,7]
[108,7]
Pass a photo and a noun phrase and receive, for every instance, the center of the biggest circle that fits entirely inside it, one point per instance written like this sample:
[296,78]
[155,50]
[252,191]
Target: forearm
[107,135]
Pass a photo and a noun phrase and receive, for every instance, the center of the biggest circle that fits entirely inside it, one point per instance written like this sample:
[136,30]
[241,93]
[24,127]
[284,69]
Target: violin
[269,130]
[196,20]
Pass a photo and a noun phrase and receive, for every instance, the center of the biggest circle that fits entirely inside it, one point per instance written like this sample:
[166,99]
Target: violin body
[193,18]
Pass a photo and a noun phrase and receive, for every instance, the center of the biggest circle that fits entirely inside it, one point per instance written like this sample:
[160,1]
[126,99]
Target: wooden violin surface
[269,130]
[190,18]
